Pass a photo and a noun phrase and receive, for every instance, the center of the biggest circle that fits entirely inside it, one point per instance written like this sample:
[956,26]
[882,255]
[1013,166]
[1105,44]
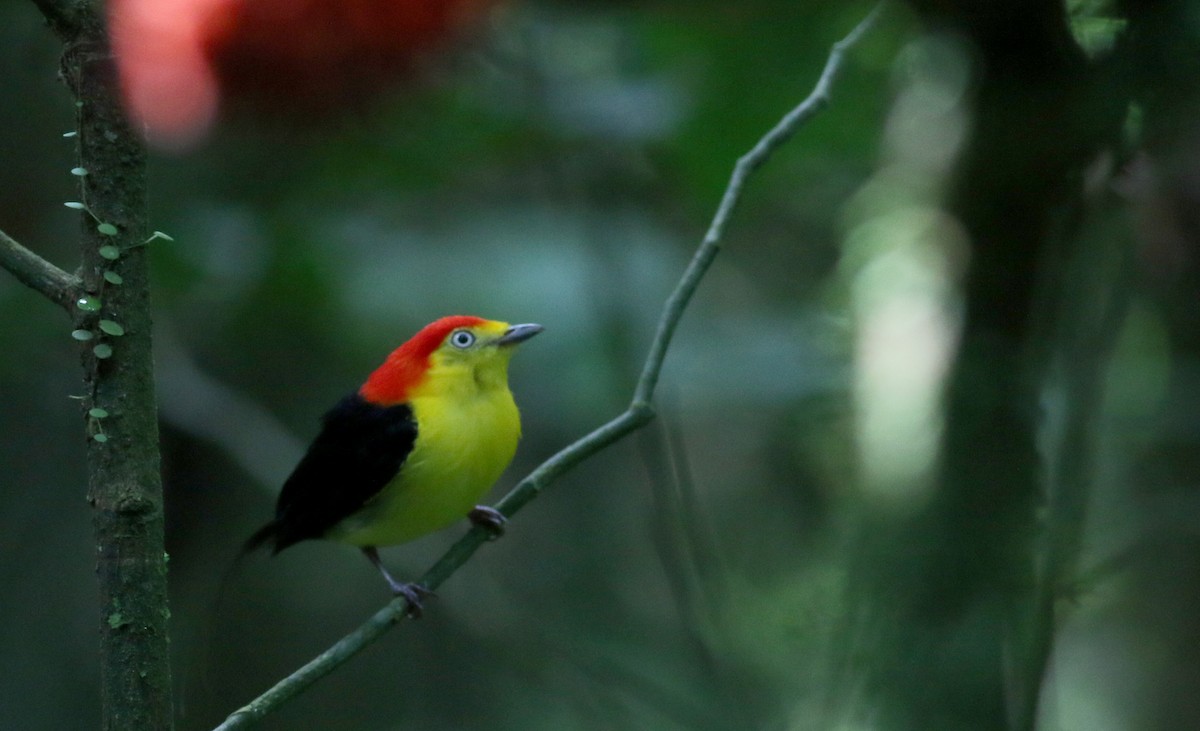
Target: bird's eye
[462,339]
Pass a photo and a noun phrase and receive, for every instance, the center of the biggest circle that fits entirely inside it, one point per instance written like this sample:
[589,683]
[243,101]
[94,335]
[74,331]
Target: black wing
[359,450]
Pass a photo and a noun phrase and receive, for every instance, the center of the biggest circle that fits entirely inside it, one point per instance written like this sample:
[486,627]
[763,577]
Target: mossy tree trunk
[124,483]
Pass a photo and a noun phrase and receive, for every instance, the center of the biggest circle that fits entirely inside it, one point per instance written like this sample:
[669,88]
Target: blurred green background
[729,567]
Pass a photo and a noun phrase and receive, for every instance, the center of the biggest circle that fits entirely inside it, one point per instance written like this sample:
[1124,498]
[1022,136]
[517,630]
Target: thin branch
[746,166]
[782,132]
[638,414]
[35,272]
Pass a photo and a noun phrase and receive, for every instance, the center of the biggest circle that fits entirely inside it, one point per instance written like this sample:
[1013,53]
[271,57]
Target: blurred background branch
[987,557]
[199,404]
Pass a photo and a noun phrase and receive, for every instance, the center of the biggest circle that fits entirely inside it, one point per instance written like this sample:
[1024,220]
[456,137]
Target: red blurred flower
[181,60]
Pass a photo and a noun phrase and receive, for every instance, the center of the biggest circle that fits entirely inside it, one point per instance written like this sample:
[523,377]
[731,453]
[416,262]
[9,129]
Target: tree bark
[124,483]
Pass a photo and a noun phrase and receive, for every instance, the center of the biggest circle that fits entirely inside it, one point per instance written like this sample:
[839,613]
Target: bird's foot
[414,594]
[490,518]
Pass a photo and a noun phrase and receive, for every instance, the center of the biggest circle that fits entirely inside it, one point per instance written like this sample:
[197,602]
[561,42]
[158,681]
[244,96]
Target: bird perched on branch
[412,450]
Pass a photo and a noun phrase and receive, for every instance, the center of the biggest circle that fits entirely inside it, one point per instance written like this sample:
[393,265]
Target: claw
[489,518]
[413,593]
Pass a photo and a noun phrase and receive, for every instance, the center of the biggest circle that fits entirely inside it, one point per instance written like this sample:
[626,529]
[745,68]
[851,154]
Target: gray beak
[519,334]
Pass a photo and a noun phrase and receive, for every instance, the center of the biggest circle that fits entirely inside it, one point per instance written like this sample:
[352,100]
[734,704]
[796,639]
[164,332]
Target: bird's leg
[413,593]
[489,518]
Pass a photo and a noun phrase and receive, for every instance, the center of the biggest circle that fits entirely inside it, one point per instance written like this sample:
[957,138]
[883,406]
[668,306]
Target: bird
[411,451]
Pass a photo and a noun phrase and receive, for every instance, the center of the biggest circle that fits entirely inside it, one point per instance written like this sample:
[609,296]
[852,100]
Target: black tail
[200,682]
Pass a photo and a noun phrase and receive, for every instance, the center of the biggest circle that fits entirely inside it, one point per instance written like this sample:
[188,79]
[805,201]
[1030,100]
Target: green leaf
[110,252]
[102,351]
[87,303]
[79,172]
[116,619]
[107,229]
[101,437]
[111,327]
[158,235]
[98,413]
[82,335]
[112,277]
[76,205]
